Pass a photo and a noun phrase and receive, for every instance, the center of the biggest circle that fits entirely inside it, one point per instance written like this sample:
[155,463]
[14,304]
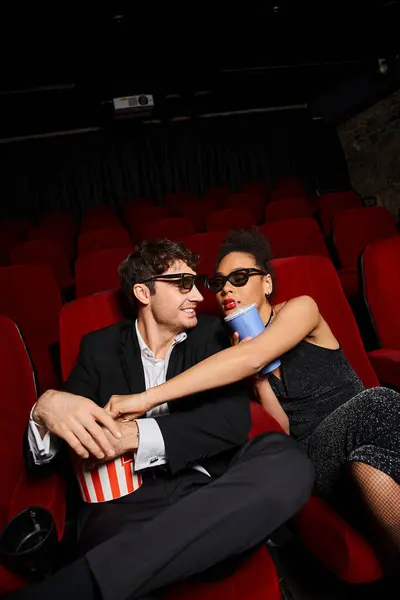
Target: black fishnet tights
[381,503]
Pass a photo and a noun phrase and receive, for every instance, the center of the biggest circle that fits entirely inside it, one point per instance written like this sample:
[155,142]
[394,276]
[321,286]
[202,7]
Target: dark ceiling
[62,68]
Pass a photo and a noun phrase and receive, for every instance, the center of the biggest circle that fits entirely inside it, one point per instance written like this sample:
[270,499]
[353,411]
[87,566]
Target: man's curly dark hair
[149,259]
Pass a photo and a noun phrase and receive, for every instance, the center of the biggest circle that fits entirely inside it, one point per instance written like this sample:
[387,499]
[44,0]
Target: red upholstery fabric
[354,229]
[386,364]
[333,203]
[316,277]
[381,276]
[18,227]
[286,187]
[144,215]
[256,579]
[230,218]
[102,239]
[62,221]
[197,210]
[46,252]
[82,316]
[99,217]
[260,188]
[288,208]
[219,195]
[250,200]
[7,241]
[48,231]
[131,206]
[98,271]
[173,228]
[350,283]
[30,296]
[18,394]
[295,237]
[173,201]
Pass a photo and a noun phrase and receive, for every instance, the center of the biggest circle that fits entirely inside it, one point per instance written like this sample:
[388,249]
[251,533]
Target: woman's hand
[128,407]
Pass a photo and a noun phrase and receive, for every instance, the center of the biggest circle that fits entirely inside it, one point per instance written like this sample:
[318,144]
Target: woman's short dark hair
[250,242]
[150,259]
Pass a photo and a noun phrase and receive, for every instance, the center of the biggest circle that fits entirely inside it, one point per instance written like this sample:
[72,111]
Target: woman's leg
[363,436]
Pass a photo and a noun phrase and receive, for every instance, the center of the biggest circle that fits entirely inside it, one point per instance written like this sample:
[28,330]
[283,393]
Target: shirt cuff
[43,449]
[151,449]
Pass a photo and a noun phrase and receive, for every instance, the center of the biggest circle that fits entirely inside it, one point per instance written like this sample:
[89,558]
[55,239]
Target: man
[202,494]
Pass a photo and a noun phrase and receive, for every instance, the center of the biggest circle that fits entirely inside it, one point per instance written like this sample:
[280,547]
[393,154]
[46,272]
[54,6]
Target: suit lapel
[131,361]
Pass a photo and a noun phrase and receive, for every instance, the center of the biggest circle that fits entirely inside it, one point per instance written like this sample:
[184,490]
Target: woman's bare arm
[270,403]
[296,320]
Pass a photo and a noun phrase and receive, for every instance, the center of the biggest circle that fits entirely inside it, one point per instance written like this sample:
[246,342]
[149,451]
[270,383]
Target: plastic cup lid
[238,312]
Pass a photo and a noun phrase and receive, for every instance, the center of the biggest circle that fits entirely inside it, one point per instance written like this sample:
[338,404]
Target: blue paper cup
[246,321]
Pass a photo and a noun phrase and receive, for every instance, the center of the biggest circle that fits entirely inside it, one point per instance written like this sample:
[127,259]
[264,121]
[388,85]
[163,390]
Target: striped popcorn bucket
[108,481]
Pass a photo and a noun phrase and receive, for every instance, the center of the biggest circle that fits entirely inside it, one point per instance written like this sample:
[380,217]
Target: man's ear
[141,293]
[268,285]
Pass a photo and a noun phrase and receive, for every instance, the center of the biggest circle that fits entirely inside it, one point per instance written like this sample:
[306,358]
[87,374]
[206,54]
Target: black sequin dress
[334,417]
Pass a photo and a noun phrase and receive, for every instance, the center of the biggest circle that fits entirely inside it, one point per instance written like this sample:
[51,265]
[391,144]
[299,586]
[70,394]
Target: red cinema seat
[46,252]
[197,211]
[102,239]
[48,231]
[324,532]
[144,215]
[252,201]
[132,206]
[381,279]
[98,271]
[173,228]
[30,297]
[173,201]
[62,222]
[7,241]
[295,237]
[219,195]
[333,203]
[17,396]
[353,230]
[230,218]
[99,217]
[256,578]
[288,208]
[17,227]
[288,187]
[260,188]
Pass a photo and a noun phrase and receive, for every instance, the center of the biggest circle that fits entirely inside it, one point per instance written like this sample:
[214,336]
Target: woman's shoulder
[299,302]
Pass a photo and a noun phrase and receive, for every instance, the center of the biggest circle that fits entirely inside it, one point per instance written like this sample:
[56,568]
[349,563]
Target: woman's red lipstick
[229,304]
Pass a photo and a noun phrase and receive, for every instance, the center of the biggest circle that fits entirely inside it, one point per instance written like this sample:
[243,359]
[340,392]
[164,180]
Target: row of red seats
[333,541]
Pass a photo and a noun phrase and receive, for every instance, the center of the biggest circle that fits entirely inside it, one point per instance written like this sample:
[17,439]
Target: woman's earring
[269,295]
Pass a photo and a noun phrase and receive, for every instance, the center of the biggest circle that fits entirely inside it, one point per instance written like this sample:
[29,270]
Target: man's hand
[77,420]
[129,406]
[129,442]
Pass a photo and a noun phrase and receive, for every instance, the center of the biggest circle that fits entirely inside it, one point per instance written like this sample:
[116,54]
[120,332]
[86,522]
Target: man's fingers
[107,419]
[75,444]
[235,339]
[86,440]
[100,438]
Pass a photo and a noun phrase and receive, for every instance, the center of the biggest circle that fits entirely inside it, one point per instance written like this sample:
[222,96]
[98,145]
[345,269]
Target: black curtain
[132,159]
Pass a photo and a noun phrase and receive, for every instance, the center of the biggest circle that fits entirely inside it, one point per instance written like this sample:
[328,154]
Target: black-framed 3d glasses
[237,278]
[186,281]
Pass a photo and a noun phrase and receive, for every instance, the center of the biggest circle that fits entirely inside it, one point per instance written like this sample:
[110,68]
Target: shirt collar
[145,350]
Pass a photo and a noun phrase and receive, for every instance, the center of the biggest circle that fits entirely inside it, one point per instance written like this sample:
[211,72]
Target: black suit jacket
[207,428]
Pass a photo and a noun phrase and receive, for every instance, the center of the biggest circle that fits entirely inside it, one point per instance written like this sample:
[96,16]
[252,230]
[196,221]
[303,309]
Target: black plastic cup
[28,543]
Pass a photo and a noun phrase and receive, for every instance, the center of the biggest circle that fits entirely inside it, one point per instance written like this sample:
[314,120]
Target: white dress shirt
[151,449]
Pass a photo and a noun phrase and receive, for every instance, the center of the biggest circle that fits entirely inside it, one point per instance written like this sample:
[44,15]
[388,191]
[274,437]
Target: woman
[314,394]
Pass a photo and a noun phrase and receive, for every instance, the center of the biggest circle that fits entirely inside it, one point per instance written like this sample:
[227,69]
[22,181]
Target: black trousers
[196,524]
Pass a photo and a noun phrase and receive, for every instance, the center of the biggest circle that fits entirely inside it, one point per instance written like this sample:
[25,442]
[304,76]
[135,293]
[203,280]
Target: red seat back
[286,187]
[18,395]
[47,252]
[252,201]
[354,229]
[102,239]
[30,297]
[7,241]
[141,216]
[98,271]
[173,228]
[18,227]
[381,277]
[173,201]
[62,222]
[260,188]
[84,315]
[333,203]
[219,195]
[315,276]
[99,217]
[295,237]
[48,231]
[132,206]
[230,218]
[197,210]
[288,208]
